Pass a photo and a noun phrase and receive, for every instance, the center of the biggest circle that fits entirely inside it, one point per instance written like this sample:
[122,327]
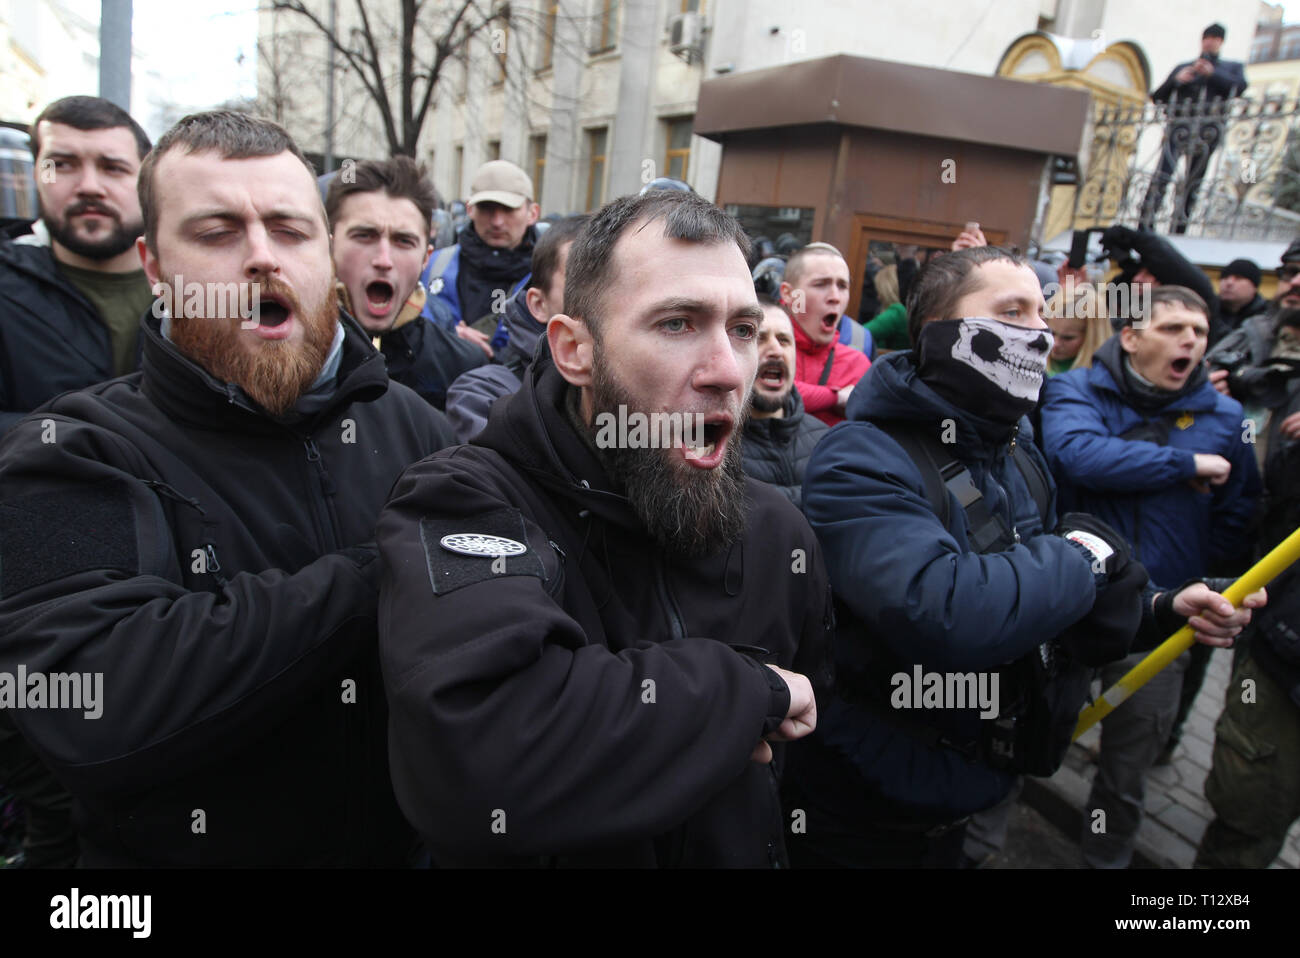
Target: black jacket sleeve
[503,714]
[183,673]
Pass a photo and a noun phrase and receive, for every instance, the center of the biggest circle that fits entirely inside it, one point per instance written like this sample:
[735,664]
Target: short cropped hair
[942,282]
[1170,296]
[794,267]
[546,254]
[89,113]
[686,216]
[399,177]
[232,135]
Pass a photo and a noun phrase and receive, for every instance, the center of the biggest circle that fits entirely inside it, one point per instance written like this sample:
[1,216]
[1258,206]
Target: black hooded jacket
[52,338]
[215,565]
[776,449]
[591,699]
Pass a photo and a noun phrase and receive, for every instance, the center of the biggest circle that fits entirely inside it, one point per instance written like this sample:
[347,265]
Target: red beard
[273,373]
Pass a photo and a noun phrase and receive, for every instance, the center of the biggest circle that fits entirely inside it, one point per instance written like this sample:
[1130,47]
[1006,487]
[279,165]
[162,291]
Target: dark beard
[690,512]
[117,241]
[1289,317]
[277,373]
[764,403]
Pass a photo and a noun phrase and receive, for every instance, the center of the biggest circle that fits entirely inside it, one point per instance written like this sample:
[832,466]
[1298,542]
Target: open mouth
[1181,365]
[830,321]
[706,449]
[772,375]
[272,313]
[379,297]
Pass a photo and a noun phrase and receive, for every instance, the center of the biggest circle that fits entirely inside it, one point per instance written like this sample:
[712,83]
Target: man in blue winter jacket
[938,592]
[1143,440]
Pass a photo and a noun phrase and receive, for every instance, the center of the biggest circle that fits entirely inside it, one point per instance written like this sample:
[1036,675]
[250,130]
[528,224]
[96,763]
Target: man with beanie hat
[490,262]
[1205,79]
[1239,297]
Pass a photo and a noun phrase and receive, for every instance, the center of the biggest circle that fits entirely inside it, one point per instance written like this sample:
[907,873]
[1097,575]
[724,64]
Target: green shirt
[889,328]
[1057,366]
[121,299]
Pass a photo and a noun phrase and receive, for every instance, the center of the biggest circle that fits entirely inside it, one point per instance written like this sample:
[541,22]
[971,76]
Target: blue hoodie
[918,589]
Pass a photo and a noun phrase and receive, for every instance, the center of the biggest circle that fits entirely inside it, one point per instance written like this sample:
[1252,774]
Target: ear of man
[572,348]
[148,261]
[536,303]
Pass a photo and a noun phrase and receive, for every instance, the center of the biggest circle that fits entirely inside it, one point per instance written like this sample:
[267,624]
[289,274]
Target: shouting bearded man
[615,647]
[199,534]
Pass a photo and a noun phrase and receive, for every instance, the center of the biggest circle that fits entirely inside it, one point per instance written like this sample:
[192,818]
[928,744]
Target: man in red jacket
[815,291]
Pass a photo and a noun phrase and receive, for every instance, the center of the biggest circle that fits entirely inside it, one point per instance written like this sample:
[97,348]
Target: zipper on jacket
[326,527]
[670,604]
[1011,512]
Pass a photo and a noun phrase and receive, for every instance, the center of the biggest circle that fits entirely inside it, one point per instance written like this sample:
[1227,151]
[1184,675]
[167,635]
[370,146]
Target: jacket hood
[1108,373]
[190,393]
[532,430]
[892,390]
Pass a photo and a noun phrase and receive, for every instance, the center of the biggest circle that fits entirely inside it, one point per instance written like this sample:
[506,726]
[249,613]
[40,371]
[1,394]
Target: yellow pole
[1259,575]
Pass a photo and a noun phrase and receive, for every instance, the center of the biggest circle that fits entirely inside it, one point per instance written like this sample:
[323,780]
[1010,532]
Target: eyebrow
[65,155]
[679,304]
[219,213]
[372,228]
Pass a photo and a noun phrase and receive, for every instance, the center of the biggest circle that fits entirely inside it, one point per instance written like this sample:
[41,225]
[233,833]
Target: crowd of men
[509,552]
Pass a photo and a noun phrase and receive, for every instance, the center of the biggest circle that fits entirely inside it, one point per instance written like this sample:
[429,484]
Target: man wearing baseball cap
[1239,297]
[473,280]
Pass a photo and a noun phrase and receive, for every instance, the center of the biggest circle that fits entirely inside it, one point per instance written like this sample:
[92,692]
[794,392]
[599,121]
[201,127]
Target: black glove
[1106,633]
[1117,239]
[1107,550]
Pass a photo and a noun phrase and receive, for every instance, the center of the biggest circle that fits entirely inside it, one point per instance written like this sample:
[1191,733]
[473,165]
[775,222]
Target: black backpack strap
[826,370]
[943,473]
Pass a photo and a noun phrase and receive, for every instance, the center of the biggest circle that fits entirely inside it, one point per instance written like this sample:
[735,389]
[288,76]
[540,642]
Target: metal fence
[1228,169]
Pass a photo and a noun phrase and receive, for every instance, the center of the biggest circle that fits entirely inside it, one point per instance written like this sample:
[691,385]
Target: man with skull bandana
[914,591]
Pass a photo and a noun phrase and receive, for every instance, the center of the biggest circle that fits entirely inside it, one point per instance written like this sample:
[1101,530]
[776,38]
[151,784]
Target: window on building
[605,27]
[691,6]
[677,159]
[494,150]
[458,173]
[537,149]
[547,56]
[596,140]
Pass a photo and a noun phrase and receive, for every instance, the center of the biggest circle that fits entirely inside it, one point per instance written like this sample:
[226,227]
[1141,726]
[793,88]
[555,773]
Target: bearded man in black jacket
[199,536]
[779,433]
[589,636]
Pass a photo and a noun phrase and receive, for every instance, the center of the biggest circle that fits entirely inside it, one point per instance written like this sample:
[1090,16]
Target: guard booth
[855,152]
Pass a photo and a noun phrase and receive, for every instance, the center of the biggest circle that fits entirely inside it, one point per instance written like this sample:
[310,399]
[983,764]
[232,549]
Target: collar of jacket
[894,392]
[531,429]
[781,428]
[1107,372]
[189,393]
[523,329]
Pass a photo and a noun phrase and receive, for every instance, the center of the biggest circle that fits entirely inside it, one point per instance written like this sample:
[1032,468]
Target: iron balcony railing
[1228,169]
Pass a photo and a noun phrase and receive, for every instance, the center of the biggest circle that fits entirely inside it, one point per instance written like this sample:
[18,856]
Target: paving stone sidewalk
[1177,813]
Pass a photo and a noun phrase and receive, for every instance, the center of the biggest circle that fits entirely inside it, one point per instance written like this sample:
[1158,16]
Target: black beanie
[1214,30]
[1244,268]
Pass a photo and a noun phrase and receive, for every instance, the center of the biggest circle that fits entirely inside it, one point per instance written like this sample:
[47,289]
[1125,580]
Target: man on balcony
[1194,92]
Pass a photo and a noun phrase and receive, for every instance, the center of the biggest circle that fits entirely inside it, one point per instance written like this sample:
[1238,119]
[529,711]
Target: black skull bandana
[987,367]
